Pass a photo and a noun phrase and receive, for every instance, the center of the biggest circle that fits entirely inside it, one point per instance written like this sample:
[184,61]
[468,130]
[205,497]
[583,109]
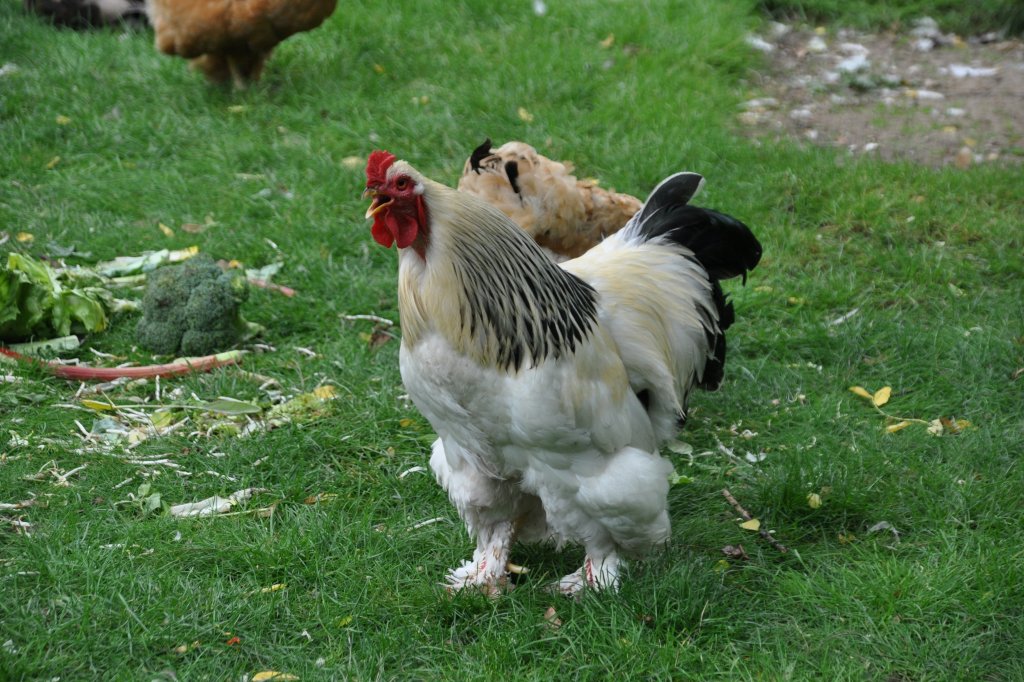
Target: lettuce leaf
[39,301]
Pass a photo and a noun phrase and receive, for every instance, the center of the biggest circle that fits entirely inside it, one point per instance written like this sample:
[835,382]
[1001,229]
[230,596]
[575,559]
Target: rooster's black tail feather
[722,245]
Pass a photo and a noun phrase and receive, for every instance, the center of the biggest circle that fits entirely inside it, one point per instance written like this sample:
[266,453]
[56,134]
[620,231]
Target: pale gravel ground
[960,103]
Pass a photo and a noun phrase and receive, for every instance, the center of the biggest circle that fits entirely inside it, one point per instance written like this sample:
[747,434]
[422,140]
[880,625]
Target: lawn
[874,275]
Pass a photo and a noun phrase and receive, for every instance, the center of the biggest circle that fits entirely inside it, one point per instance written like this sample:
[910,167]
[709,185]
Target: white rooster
[551,386]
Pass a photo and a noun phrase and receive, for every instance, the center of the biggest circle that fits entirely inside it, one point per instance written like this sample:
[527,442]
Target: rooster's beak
[379,201]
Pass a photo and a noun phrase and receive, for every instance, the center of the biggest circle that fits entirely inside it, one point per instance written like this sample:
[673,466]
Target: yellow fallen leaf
[62,120]
[813,500]
[954,425]
[721,565]
[405,422]
[163,418]
[820,31]
[166,230]
[379,69]
[234,264]
[609,41]
[898,426]
[881,396]
[342,622]
[846,538]
[752,524]
[276,587]
[52,163]
[25,237]
[325,392]
[525,115]
[97,405]
[236,108]
[859,390]
[267,675]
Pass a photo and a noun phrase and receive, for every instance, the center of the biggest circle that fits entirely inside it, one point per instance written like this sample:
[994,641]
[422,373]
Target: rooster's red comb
[377,167]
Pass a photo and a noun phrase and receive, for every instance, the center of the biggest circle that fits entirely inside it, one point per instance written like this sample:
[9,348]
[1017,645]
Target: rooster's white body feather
[551,388]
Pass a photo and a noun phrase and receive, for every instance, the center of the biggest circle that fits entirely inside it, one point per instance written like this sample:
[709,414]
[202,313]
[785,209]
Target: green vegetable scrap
[126,266]
[38,301]
[194,308]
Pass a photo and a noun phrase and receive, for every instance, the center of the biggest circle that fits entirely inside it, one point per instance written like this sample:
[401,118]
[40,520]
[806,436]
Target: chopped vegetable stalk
[178,367]
[60,344]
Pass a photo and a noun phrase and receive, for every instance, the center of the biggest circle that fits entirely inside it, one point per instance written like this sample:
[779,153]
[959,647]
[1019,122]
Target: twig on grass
[5,506]
[216,504]
[747,517]
[21,527]
[62,479]
[153,462]
[371,318]
[428,522]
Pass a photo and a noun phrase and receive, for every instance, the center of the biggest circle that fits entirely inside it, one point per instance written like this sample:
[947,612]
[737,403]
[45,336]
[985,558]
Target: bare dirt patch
[921,96]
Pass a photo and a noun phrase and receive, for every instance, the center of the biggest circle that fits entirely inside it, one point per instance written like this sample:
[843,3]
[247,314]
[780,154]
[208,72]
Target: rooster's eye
[402,183]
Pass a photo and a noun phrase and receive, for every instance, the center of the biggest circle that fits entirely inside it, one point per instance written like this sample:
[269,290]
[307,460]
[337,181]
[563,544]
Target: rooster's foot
[472,575]
[593,575]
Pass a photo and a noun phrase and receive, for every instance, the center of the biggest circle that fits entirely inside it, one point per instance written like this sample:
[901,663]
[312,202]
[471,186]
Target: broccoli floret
[194,308]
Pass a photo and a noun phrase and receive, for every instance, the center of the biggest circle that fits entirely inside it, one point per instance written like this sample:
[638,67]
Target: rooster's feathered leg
[488,569]
[599,572]
[487,506]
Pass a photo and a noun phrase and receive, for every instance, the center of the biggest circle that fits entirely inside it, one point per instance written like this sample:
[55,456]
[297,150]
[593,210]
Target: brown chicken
[564,215]
[232,39]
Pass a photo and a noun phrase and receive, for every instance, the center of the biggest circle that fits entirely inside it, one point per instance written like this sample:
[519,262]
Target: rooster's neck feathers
[492,291]
[518,305]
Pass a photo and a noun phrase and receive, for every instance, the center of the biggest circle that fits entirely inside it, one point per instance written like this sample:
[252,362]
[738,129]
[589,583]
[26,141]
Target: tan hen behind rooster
[232,39]
[563,214]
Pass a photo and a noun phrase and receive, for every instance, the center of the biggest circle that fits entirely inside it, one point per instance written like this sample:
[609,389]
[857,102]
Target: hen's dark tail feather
[484,151]
[479,154]
[722,245]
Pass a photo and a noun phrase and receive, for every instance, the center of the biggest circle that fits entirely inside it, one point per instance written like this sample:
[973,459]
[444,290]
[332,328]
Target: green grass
[101,591]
